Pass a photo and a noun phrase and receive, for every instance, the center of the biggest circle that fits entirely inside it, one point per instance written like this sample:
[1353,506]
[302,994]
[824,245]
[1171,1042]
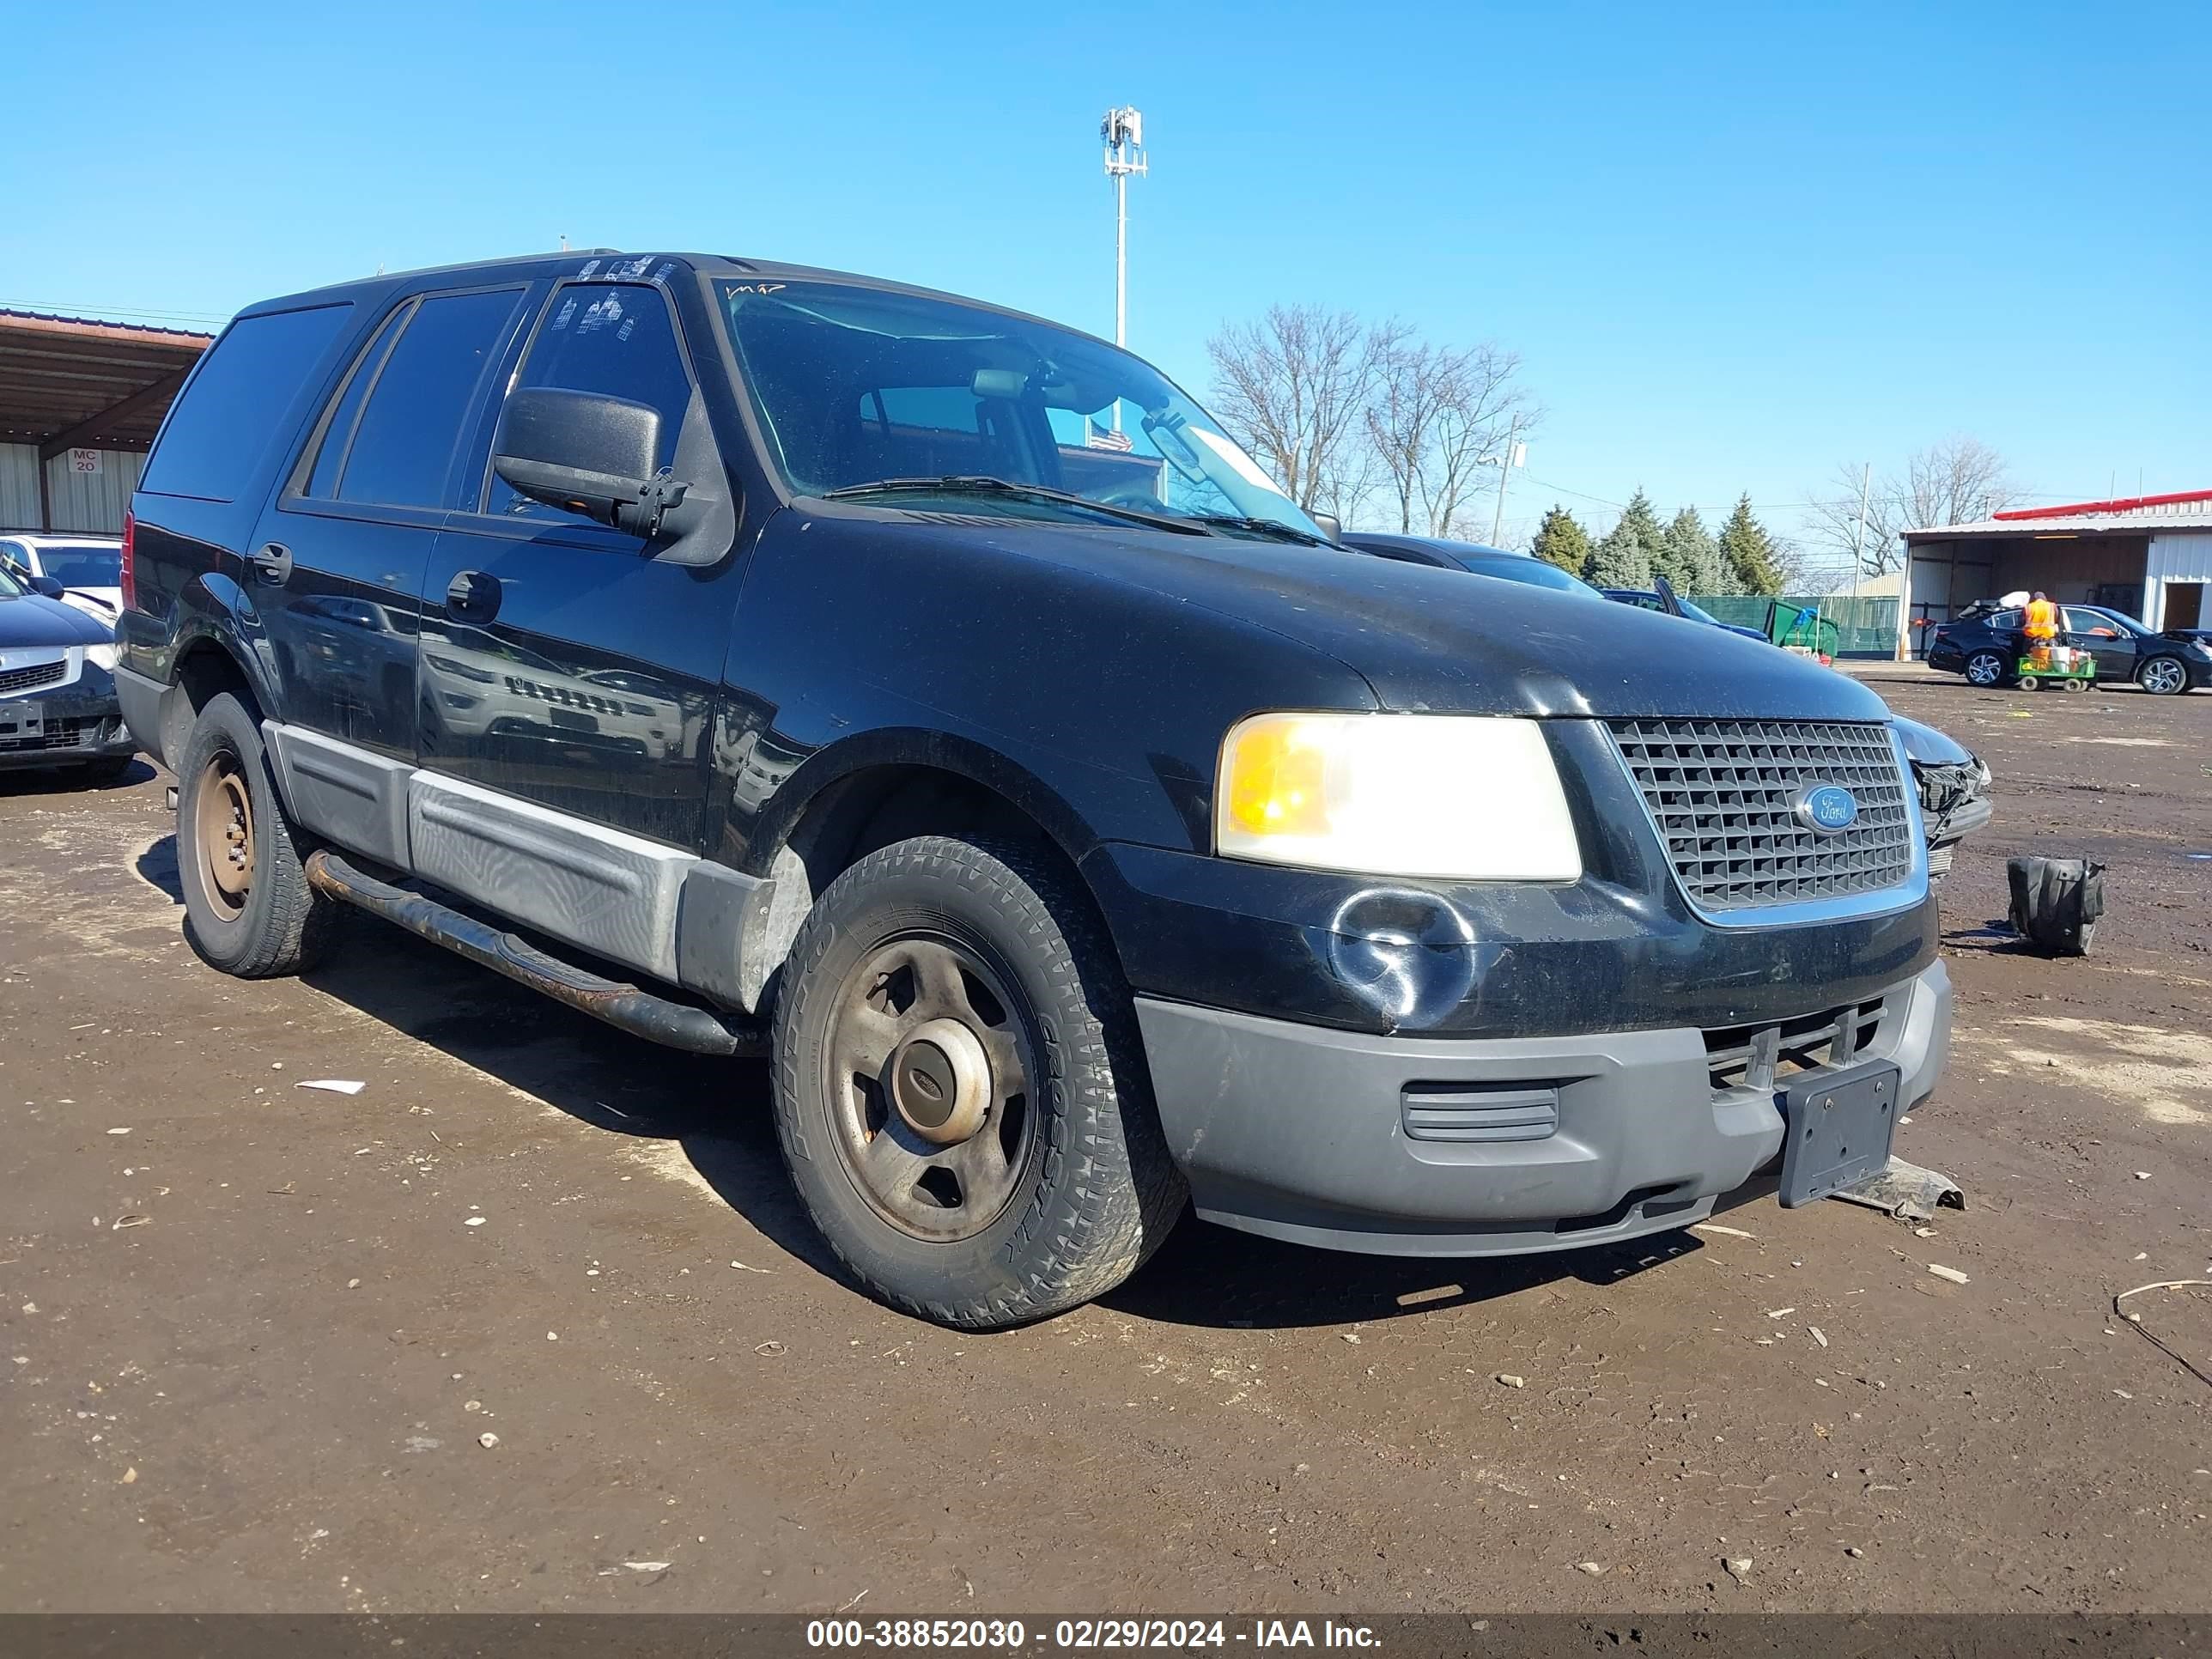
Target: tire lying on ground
[960,1091]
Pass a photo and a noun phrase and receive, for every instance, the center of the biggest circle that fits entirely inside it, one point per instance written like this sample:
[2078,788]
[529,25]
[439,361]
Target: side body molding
[356,798]
[611,892]
[656,908]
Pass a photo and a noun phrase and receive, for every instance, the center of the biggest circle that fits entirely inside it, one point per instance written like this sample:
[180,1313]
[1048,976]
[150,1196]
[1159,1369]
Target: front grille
[1723,796]
[13,681]
[57,734]
[1738,1056]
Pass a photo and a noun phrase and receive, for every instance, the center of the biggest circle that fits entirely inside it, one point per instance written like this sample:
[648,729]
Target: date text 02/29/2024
[1082,1635]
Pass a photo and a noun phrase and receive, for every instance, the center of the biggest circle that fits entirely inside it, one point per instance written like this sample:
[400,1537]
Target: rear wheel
[1985,669]
[960,1090]
[248,908]
[2163,676]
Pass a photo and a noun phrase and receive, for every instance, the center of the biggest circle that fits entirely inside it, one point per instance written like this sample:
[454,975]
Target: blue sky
[1734,246]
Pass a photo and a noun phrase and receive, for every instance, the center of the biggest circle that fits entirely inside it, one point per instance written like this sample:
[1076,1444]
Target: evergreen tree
[1689,557]
[1624,556]
[1562,541]
[1749,553]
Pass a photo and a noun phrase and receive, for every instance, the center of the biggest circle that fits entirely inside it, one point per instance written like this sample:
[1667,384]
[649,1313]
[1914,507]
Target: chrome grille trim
[34,677]
[1720,795]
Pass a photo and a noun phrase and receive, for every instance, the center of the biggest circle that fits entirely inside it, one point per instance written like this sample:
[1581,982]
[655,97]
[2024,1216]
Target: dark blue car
[1667,601]
[58,704]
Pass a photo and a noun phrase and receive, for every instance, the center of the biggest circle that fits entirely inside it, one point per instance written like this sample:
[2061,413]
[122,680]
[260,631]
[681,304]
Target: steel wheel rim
[222,820]
[2162,676]
[916,1012]
[1983,670]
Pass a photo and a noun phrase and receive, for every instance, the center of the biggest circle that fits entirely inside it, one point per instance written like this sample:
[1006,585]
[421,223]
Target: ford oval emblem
[1827,808]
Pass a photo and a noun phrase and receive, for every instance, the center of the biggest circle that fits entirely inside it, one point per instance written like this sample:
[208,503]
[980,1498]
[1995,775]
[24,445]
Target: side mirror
[1331,525]
[587,453]
[47,585]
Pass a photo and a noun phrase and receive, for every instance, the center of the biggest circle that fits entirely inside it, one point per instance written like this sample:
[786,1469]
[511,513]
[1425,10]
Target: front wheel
[960,1090]
[1985,669]
[2163,676]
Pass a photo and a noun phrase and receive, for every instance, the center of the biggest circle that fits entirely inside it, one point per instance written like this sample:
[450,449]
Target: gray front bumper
[1323,1137]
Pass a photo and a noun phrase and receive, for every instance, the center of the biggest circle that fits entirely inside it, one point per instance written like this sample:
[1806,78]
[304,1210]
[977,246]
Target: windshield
[1535,573]
[1689,610]
[859,386]
[84,565]
[9,587]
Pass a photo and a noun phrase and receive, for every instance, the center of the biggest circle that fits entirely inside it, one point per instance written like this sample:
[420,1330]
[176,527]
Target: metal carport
[80,402]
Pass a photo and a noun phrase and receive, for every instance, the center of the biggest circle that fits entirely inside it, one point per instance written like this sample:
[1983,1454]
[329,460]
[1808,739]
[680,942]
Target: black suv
[938,699]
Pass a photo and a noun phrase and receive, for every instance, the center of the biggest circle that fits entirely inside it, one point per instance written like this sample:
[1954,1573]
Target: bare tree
[1832,517]
[1294,388]
[1960,480]
[1470,407]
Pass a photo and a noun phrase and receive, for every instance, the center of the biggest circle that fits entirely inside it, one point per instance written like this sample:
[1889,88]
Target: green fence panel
[1864,625]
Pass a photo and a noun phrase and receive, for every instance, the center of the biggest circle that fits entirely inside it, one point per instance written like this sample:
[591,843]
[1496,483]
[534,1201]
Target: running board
[658,1019]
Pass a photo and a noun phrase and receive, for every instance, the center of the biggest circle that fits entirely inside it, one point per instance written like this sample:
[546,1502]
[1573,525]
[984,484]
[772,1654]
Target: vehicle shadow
[1991,938]
[72,780]
[1218,1277]
[717,1112]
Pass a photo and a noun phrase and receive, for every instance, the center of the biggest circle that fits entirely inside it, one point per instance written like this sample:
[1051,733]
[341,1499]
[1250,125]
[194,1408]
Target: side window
[338,427]
[2006,622]
[2079,621]
[403,444]
[228,411]
[615,338]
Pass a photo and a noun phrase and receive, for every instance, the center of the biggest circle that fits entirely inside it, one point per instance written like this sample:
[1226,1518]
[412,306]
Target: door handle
[473,594]
[273,564]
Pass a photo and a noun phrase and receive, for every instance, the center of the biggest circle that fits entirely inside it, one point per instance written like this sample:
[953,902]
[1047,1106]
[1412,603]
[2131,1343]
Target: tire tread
[1109,1191]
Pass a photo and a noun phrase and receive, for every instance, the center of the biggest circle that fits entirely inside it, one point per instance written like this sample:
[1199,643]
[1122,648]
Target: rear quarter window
[228,412]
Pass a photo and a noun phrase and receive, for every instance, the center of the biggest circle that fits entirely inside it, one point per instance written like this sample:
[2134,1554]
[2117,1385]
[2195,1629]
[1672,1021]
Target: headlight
[1439,795]
[101,656]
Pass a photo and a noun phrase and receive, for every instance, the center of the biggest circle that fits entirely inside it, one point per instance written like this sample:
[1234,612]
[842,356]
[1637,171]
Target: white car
[89,567]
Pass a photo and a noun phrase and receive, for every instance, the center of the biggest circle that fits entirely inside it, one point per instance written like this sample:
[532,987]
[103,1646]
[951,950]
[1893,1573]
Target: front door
[2112,646]
[561,662]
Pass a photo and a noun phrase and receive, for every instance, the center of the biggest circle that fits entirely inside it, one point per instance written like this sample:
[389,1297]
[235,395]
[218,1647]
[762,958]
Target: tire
[1985,669]
[248,908]
[1062,1179]
[2163,676]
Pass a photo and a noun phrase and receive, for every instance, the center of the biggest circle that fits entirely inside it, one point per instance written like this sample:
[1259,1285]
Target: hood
[1448,641]
[35,620]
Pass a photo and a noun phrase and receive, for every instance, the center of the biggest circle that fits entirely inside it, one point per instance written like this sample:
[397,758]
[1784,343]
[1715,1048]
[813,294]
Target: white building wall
[94,502]
[19,486]
[2177,557]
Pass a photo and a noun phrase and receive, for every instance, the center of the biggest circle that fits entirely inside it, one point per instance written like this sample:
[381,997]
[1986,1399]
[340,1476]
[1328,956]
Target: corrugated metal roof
[97,327]
[2151,515]
[79,381]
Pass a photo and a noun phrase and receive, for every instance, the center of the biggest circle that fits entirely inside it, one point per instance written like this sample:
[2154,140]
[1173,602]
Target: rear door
[562,663]
[337,561]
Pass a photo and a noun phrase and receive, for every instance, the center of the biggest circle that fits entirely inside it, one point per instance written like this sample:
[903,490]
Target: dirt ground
[251,1334]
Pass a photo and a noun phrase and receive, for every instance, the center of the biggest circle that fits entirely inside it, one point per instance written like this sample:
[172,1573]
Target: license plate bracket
[22,722]
[1837,1130]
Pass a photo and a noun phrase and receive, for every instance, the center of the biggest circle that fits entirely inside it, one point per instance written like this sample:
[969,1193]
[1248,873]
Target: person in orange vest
[2041,627]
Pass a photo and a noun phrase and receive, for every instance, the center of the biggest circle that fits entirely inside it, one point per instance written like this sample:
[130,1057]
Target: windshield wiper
[982,484]
[1270,527]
